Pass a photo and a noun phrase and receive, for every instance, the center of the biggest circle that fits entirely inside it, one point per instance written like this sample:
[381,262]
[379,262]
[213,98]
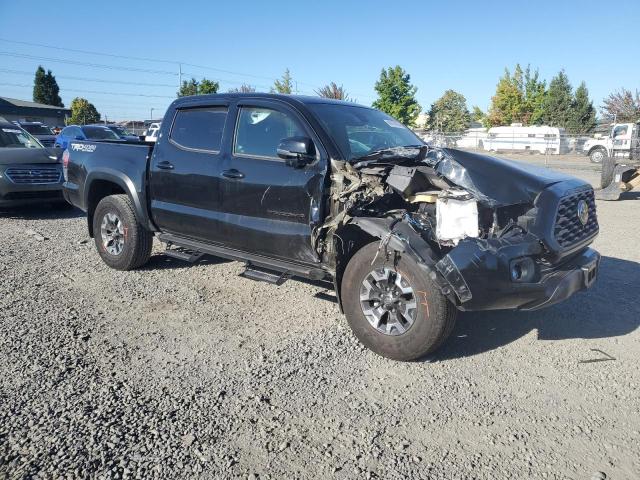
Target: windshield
[99,133]
[121,131]
[14,137]
[359,131]
[37,129]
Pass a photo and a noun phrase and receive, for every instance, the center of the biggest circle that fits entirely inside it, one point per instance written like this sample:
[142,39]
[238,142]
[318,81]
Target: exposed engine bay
[453,210]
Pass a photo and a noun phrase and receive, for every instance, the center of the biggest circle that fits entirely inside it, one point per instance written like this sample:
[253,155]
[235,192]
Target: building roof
[25,104]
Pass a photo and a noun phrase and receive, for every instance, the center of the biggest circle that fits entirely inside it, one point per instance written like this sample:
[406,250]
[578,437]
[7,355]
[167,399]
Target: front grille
[568,229]
[33,176]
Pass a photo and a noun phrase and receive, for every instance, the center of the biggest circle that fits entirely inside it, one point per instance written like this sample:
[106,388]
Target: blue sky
[463,45]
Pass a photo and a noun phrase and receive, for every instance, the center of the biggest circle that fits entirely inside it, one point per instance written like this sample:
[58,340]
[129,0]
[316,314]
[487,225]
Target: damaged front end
[489,233]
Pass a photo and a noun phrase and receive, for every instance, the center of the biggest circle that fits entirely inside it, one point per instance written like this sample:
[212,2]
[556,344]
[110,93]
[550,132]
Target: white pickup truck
[623,142]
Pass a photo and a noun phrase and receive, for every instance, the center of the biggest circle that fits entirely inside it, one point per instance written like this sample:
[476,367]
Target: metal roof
[25,104]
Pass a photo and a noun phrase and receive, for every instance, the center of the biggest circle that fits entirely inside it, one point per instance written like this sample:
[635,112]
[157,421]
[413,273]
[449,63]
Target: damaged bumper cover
[482,276]
[477,274]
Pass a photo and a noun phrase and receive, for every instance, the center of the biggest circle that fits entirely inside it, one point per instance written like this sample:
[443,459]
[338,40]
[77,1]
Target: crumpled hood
[496,181]
[29,155]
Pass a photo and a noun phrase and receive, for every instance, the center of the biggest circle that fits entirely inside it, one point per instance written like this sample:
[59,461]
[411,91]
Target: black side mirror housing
[297,151]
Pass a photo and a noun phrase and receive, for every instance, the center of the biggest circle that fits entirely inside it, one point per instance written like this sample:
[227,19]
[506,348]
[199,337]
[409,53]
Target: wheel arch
[397,235]
[101,184]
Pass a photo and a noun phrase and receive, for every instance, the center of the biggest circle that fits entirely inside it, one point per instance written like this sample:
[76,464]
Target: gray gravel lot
[180,371]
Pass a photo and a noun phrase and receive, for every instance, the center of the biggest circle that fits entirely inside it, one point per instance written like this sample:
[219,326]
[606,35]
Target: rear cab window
[199,128]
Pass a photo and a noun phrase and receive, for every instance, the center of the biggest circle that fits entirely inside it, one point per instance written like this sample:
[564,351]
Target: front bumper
[480,277]
[16,194]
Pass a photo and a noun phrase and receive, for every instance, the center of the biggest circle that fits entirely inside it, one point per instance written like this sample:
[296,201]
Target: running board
[264,275]
[184,254]
[255,261]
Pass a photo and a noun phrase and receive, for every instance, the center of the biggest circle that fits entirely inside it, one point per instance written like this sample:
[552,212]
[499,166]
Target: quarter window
[199,128]
[260,130]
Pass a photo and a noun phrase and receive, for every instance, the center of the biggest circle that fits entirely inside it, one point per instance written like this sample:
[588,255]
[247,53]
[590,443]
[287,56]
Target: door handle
[165,165]
[233,173]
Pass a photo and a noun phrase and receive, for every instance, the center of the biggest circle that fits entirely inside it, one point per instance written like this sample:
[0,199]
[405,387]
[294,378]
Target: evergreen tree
[83,112]
[534,94]
[193,87]
[285,85]
[45,88]
[583,114]
[449,113]
[558,101]
[396,95]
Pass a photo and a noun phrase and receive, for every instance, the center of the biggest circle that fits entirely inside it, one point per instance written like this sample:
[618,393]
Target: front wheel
[597,155]
[121,241]
[608,169]
[392,306]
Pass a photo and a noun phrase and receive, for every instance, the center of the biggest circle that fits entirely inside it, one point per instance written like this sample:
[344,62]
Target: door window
[198,128]
[260,130]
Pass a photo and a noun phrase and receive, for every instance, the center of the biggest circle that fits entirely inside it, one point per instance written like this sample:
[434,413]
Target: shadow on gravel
[609,309]
[41,212]
[163,262]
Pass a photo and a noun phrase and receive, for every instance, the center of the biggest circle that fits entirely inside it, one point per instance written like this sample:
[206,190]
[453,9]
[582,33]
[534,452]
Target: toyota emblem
[583,212]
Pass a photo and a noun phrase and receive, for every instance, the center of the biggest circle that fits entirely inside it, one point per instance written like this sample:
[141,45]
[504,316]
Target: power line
[22,72]
[86,64]
[94,91]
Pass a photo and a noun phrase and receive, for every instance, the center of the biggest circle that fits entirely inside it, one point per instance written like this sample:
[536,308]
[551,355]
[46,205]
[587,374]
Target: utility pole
[179,76]
[151,114]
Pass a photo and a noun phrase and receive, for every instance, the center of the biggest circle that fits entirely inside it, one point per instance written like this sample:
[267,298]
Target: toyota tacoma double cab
[336,192]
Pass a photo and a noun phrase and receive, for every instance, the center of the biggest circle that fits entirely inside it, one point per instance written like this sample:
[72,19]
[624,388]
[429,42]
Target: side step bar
[184,254]
[264,275]
[253,261]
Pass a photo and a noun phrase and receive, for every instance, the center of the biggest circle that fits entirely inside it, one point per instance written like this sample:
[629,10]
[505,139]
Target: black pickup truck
[332,191]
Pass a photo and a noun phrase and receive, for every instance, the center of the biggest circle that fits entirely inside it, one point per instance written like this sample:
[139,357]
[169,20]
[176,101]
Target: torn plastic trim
[397,235]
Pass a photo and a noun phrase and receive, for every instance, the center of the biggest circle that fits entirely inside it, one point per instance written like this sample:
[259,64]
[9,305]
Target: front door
[184,174]
[270,207]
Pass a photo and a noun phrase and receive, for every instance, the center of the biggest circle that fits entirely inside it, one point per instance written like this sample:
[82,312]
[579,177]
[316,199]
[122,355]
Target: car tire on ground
[597,155]
[393,307]
[121,241]
[608,167]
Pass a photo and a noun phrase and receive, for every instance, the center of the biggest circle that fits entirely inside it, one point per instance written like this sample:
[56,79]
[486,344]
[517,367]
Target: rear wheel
[393,308]
[121,241]
[597,155]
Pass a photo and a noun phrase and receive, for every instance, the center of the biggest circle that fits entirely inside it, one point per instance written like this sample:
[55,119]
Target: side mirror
[297,151]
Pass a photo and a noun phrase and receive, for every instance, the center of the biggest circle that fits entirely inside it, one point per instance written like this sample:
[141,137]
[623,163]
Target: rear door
[270,207]
[184,179]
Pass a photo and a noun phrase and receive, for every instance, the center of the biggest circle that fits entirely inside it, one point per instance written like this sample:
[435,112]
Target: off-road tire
[608,168]
[597,155]
[435,316]
[138,241]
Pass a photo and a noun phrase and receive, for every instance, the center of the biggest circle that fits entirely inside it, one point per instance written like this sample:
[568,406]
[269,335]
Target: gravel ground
[180,371]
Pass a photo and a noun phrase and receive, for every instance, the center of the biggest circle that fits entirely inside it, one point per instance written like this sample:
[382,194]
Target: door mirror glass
[297,151]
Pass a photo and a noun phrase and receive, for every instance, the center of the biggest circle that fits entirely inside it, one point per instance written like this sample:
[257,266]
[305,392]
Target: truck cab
[622,142]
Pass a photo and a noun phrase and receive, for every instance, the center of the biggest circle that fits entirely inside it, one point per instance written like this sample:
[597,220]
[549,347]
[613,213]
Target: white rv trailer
[541,139]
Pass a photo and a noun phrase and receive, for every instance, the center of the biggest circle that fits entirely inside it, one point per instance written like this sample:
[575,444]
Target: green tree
[333,91]
[193,87]
[583,114]
[507,105]
[449,113]
[622,105]
[396,95]
[45,88]
[244,88]
[207,86]
[83,112]
[284,85]
[534,94]
[558,101]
